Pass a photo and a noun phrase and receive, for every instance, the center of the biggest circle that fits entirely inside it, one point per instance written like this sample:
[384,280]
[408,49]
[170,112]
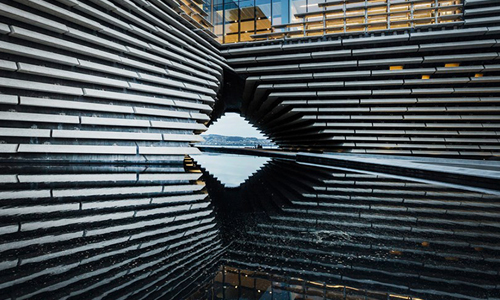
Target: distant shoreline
[234,141]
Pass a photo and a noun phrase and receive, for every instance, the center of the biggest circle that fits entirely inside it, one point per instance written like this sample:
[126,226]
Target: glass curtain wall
[237,20]
[217,18]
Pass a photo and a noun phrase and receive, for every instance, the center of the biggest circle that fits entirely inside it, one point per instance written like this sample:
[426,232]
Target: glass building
[246,20]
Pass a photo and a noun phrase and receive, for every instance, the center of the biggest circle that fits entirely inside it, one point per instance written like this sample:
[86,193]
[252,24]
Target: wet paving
[285,231]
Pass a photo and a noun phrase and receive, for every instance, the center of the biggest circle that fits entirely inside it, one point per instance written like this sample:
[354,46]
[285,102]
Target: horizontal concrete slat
[163,91]
[77,177]
[39,86]
[106,69]
[31,117]
[8,148]
[4,28]
[161,112]
[9,99]
[168,150]
[61,13]
[21,132]
[126,97]
[114,122]
[173,177]
[62,44]
[30,18]
[178,125]
[76,149]
[8,65]
[68,75]
[182,137]
[75,105]
[106,135]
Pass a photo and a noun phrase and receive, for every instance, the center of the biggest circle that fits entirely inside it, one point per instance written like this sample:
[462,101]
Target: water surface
[286,231]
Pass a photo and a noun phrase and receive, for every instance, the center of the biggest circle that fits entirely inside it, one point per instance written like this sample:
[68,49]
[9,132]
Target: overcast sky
[232,124]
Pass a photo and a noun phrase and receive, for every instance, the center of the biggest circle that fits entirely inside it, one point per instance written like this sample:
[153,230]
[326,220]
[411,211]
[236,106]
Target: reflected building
[105,232]
[333,233]
[290,231]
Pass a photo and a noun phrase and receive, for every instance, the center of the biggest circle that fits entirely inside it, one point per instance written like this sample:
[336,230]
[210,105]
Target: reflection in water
[334,234]
[230,169]
[104,232]
[290,231]
[232,283]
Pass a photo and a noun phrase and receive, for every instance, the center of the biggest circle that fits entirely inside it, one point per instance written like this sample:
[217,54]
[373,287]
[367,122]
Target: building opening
[231,130]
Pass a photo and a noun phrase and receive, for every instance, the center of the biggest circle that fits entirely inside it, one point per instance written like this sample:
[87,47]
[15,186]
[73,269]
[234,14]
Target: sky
[232,124]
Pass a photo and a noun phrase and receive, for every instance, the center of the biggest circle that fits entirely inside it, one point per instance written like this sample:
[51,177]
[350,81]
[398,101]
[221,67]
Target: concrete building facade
[430,89]
[103,81]
[138,80]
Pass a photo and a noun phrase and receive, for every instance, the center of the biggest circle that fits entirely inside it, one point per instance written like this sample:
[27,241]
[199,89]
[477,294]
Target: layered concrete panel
[103,81]
[140,74]
[417,91]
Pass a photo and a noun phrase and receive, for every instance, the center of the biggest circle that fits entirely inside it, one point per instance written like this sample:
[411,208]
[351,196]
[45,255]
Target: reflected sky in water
[230,169]
[286,231]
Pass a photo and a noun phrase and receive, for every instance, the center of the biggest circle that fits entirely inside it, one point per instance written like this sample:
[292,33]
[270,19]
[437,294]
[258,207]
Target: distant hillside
[221,140]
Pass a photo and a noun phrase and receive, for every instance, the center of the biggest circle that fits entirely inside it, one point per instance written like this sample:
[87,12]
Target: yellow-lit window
[400,17]
[292,35]
[335,15]
[446,11]
[315,33]
[231,28]
[247,26]
[218,29]
[314,18]
[335,23]
[417,22]
[377,27]
[377,10]
[448,2]
[422,5]
[399,8]
[422,14]
[352,13]
[314,26]
[355,21]
[255,16]
[263,23]
[246,36]
[231,38]
[332,31]
[184,9]
[354,29]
